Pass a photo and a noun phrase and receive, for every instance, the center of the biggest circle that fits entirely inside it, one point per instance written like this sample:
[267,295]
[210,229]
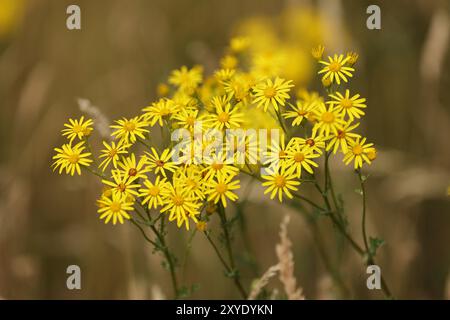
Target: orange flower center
[346,103]
[335,66]
[310,142]
[77,128]
[73,158]
[340,134]
[270,92]
[129,126]
[357,149]
[280,181]
[299,157]
[190,121]
[132,172]
[178,200]
[115,207]
[217,166]
[223,117]
[153,191]
[159,163]
[112,153]
[122,187]
[221,188]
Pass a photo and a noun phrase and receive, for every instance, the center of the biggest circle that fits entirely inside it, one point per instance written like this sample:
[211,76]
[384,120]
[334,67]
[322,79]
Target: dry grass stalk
[263,281]
[286,264]
[101,122]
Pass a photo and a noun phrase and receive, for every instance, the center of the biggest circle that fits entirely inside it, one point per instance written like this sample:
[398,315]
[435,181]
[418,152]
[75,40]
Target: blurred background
[125,48]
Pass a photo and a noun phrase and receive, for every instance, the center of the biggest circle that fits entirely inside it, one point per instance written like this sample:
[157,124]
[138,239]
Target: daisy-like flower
[315,142]
[343,137]
[328,119]
[180,206]
[112,153]
[335,69]
[71,158]
[350,106]
[159,111]
[221,189]
[353,57]
[317,52]
[129,130]
[186,79]
[239,44]
[300,111]
[272,93]
[358,152]
[225,117]
[128,167]
[276,156]
[239,87]
[153,192]
[280,182]
[299,157]
[115,207]
[161,163]
[122,184]
[224,74]
[190,178]
[218,165]
[77,129]
[186,118]
[229,62]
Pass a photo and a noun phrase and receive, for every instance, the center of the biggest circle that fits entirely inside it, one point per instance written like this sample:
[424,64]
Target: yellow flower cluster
[140,173]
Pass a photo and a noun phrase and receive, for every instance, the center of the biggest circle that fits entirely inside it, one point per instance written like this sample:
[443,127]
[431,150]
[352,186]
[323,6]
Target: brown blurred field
[125,48]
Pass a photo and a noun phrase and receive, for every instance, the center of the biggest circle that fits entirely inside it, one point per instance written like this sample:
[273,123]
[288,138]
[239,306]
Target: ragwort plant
[149,183]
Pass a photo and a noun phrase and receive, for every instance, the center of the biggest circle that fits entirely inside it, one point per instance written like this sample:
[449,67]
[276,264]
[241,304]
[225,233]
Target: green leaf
[374,244]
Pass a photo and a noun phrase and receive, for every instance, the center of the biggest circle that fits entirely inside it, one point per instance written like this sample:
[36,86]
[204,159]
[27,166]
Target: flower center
[346,103]
[190,120]
[217,166]
[280,181]
[115,207]
[281,154]
[122,187]
[153,191]
[357,149]
[299,157]
[112,153]
[327,117]
[270,92]
[191,183]
[132,172]
[129,126]
[310,142]
[221,188]
[340,134]
[77,128]
[178,200]
[335,66]
[223,117]
[73,158]
[302,113]
[159,163]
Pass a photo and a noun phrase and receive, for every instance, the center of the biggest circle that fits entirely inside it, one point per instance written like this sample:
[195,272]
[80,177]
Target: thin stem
[234,272]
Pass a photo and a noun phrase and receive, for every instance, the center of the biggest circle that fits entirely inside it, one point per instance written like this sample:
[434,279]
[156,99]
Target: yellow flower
[115,207]
[315,142]
[162,90]
[129,168]
[185,79]
[201,226]
[71,158]
[122,184]
[221,189]
[180,206]
[272,93]
[229,62]
[191,179]
[372,153]
[358,152]
[244,148]
[335,69]
[280,182]
[112,153]
[299,157]
[299,112]
[329,120]
[350,106]
[224,74]
[317,52]
[186,118]
[239,44]
[161,163]
[153,193]
[77,129]
[160,111]
[239,87]
[225,117]
[353,57]
[129,129]
[342,138]
[276,156]
[218,165]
